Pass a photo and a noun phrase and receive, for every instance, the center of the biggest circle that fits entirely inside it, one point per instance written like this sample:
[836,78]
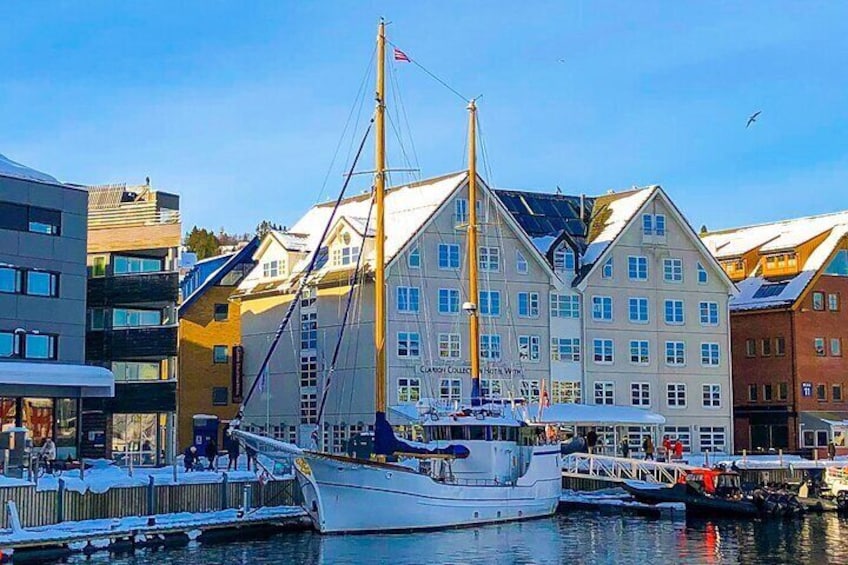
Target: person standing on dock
[648,448]
[678,449]
[666,448]
[48,453]
[251,457]
[233,451]
[625,447]
[212,454]
[189,458]
[592,440]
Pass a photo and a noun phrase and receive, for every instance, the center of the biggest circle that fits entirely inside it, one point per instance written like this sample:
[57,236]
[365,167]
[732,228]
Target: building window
[674,312]
[528,304]
[448,301]
[710,355]
[20,217]
[681,433]
[836,393]
[709,313]
[836,346]
[450,390]
[638,310]
[413,260]
[750,348]
[637,268]
[564,261]
[647,224]
[448,256]
[490,347]
[40,346]
[131,371]
[821,393]
[565,306]
[490,259]
[703,277]
[675,353]
[408,298]
[604,393]
[712,438]
[639,352]
[640,394]
[490,303]
[491,388]
[529,347]
[819,346]
[521,266]
[10,280]
[676,395]
[753,393]
[308,407]
[42,283]
[712,396]
[779,346]
[603,351]
[309,330]
[818,300]
[408,345]
[529,390]
[408,390]
[602,308]
[659,224]
[673,270]
[565,392]
[222,312]
[308,371]
[565,349]
[833,302]
[127,318]
[124,265]
[348,255]
[606,270]
[8,345]
[767,393]
[782,391]
[220,354]
[460,211]
[220,395]
[449,346]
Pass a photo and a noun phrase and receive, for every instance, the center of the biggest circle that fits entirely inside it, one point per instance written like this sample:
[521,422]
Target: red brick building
[788,327]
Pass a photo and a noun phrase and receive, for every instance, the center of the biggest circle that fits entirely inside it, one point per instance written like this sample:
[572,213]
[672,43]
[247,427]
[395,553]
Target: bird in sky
[753,118]
[560,60]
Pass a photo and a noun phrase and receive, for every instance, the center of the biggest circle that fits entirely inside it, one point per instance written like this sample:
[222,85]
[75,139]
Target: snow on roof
[543,243]
[291,241]
[610,215]
[10,168]
[91,381]
[595,414]
[359,224]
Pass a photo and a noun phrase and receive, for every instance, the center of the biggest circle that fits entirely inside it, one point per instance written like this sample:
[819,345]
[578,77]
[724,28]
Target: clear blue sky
[238,106]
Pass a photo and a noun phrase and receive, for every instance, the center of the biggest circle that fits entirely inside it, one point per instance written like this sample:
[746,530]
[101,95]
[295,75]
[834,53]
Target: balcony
[131,343]
[143,288]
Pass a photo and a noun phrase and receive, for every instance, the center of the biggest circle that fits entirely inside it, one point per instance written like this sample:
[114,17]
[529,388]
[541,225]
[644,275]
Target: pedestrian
[146,453]
[592,440]
[189,458]
[233,449]
[625,448]
[48,453]
[212,454]
[666,447]
[678,449]
[251,457]
[831,450]
[648,448]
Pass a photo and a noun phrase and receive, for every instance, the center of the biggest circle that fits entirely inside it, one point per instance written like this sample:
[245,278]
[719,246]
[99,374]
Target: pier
[586,471]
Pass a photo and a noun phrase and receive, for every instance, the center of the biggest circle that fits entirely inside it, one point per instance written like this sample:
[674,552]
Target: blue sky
[239,109]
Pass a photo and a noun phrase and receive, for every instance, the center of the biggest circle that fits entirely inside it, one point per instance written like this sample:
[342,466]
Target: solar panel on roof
[768,290]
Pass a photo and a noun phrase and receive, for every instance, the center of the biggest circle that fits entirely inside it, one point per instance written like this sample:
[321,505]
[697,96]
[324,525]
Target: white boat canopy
[594,415]
[55,380]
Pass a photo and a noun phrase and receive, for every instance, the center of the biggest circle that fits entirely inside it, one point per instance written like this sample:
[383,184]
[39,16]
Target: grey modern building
[43,307]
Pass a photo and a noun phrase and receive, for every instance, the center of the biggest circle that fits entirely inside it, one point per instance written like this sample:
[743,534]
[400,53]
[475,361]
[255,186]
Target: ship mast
[473,291]
[379,197]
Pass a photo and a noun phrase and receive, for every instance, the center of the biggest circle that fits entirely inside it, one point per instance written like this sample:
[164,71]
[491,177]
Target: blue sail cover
[475,393]
[387,443]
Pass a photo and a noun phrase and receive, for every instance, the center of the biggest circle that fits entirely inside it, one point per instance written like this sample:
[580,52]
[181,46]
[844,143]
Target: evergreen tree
[264,227]
[203,242]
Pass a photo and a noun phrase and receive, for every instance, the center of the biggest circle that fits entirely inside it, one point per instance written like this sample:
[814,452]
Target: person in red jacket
[678,449]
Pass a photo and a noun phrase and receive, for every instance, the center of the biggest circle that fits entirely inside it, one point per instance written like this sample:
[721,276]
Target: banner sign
[238,374]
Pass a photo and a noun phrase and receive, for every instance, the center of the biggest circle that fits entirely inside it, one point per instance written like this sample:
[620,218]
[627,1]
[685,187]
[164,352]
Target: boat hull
[349,496]
[695,504]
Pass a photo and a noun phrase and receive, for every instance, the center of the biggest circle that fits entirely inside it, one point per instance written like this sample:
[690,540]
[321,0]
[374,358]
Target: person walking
[212,454]
[233,451]
[625,447]
[831,451]
[666,453]
[592,440]
[48,454]
[189,458]
[251,457]
[678,449]
[648,448]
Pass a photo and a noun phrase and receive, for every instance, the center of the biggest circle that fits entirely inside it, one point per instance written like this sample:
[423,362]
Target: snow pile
[10,168]
[621,211]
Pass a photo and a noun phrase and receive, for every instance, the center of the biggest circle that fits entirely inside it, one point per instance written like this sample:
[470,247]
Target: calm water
[579,537]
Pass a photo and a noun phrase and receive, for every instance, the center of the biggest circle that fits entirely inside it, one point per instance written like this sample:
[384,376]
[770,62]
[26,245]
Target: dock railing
[620,469]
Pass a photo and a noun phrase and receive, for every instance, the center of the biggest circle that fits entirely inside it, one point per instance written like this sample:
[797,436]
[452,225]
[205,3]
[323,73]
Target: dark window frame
[215,359]
[753,393]
[220,396]
[820,295]
[218,317]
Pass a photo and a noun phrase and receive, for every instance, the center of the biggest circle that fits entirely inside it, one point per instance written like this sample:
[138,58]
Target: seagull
[560,60]
[753,118]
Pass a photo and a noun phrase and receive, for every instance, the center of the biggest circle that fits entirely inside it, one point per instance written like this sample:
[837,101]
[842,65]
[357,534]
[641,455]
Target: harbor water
[575,537]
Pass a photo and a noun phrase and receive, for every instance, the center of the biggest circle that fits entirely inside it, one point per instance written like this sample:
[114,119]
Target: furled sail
[387,443]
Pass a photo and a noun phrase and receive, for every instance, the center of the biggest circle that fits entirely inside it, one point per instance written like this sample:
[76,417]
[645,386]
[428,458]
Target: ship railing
[620,469]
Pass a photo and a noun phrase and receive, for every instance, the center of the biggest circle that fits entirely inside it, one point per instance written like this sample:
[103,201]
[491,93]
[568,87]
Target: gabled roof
[9,168]
[610,215]
[243,255]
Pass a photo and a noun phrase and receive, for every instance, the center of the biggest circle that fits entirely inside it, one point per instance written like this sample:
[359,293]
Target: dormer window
[564,260]
[272,269]
[348,255]
[782,261]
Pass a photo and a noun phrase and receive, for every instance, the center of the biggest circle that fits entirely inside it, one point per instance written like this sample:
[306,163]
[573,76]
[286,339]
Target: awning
[55,380]
[595,415]
[823,420]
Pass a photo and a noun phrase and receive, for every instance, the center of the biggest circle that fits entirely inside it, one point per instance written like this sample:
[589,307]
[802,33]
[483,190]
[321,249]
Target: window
[637,268]
[565,349]
[681,433]
[491,388]
[528,304]
[490,347]
[779,346]
[675,353]
[308,371]
[413,260]
[220,395]
[765,347]
[640,394]
[409,345]
[308,297]
[712,396]
[565,392]
[408,299]
[347,255]
[490,303]
[40,346]
[565,306]
[606,271]
[659,224]
[42,283]
[602,308]
[833,302]
[126,318]
[98,266]
[638,310]
[10,280]
[20,217]
[529,390]
[818,301]
[449,346]
[564,261]
[308,407]
[836,393]
[529,348]
[710,355]
[490,259]
[709,313]
[124,265]
[603,351]
[750,348]
[821,393]
[673,270]
[674,312]
[604,392]
[639,352]
[8,344]
[448,301]
[309,330]
[460,211]
[767,393]
[448,256]
[521,266]
[222,312]
[712,438]
[782,391]
[126,371]
[647,224]
[220,354]
[450,390]
[96,318]
[408,390]
[703,277]
[819,346]
[836,346]
[676,395]
[753,393]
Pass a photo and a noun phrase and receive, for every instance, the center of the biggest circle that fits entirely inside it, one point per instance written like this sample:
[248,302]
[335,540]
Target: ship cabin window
[472,433]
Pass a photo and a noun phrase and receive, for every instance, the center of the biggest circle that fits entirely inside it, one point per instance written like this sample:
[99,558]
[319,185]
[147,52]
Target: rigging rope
[432,75]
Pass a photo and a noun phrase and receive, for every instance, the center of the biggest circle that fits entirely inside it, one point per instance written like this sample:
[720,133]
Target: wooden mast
[380,240]
[473,290]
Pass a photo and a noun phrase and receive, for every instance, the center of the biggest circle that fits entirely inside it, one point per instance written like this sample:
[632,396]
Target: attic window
[768,290]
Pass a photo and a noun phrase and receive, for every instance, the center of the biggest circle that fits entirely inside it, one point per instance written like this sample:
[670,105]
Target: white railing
[619,469]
